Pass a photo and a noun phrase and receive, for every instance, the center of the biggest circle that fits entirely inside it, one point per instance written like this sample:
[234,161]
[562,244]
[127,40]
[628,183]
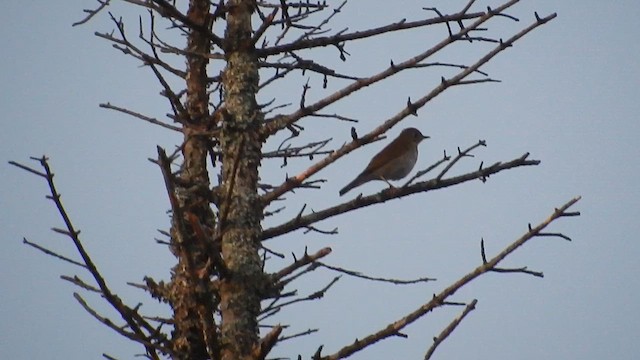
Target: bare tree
[219,292]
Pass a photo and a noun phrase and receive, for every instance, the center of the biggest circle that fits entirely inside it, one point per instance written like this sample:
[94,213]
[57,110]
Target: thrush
[393,162]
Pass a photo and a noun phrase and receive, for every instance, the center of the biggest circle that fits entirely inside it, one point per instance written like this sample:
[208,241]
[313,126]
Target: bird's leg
[388,183]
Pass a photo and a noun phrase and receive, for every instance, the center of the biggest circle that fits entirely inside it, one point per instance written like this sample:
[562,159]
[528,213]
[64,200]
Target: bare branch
[461,154]
[92,12]
[128,48]
[310,150]
[52,253]
[302,333]
[458,66]
[410,109]
[449,329]
[392,193]
[431,167]
[167,10]
[267,343]
[265,25]
[129,315]
[523,270]
[306,259]
[439,299]
[309,228]
[28,169]
[79,282]
[305,65]
[373,278]
[302,43]
[271,310]
[131,336]
[140,116]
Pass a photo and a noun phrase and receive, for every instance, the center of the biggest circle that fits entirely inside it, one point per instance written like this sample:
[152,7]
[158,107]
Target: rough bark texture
[241,212]
[192,298]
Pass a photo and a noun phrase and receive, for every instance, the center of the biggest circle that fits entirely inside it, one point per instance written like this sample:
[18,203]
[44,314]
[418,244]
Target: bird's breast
[401,166]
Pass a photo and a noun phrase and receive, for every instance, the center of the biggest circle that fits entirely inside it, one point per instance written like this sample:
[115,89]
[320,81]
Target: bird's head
[412,135]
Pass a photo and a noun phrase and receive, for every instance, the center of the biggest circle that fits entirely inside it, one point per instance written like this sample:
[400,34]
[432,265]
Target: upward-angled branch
[449,329]
[167,10]
[438,300]
[410,109]
[129,315]
[92,12]
[282,122]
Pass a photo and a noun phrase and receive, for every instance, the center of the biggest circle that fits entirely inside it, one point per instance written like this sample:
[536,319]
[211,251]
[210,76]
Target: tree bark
[192,297]
[241,210]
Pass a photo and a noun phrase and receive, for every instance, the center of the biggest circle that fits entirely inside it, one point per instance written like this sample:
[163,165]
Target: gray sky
[567,97]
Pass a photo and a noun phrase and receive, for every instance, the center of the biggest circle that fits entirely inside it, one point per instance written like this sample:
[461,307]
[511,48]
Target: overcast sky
[568,96]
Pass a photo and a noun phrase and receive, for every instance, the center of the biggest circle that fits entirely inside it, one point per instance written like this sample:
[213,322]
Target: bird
[393,162]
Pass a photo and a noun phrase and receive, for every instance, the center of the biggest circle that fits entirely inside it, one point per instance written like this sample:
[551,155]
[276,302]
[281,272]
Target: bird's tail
[356,182]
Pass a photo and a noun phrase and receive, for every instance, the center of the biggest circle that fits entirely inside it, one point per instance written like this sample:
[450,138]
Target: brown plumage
[393,162]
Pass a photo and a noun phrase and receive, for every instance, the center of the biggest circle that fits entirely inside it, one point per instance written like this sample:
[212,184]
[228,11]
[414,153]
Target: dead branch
[283,121]
[306,259]
[439,299]
[135,322]
[410,109]
[461,154]
[92,12]
[306,65]
[310,150]
[75,280]
[302,43]
[393,193]
[52,253]
[449,329]
[431,167]
[302,333]
[267,343]
[165,9]
[140,116]
[273,309]
[131,336]
[373,278]
[128,48]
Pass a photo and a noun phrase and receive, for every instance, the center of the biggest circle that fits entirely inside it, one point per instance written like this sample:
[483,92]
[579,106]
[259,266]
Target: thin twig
[140,116]
[92,12]
[373,278]
[449,329]
[52,253]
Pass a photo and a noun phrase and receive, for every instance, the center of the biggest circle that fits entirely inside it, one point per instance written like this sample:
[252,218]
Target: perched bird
[393,162]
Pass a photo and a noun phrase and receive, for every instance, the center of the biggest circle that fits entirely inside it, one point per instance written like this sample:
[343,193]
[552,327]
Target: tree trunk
[241,211]
[192,297]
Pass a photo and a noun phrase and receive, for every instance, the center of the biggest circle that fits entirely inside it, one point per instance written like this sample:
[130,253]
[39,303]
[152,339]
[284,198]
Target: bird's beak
[424,137]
